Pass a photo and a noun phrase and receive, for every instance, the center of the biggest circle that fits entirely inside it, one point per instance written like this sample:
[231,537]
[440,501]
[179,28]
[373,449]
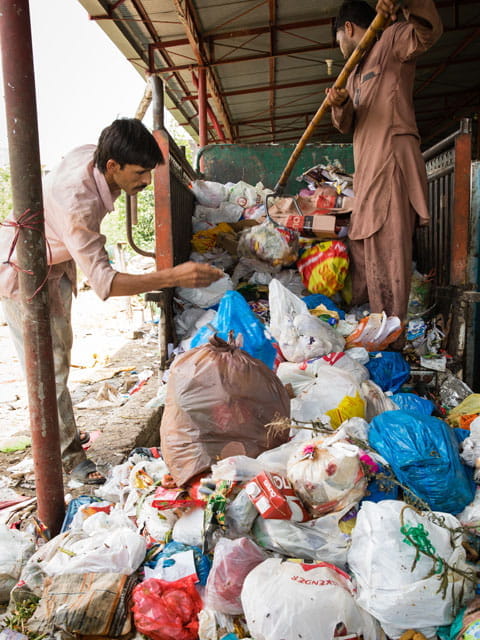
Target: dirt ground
[112,346]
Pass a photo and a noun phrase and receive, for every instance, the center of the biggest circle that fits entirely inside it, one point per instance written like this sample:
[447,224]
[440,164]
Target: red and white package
[274,498]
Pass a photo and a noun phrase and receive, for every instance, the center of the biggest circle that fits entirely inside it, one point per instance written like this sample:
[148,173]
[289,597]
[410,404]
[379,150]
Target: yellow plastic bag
[203,241]
[468,407]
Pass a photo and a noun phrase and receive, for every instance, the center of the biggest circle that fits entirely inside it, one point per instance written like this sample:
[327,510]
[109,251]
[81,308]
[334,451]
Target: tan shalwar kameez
[390,180]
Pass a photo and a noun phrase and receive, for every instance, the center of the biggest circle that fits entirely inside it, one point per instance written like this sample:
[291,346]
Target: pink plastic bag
[167,610]
[232,562]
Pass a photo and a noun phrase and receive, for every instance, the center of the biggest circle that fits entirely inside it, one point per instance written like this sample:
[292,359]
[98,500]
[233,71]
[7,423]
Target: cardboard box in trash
[318,225]
[274,498]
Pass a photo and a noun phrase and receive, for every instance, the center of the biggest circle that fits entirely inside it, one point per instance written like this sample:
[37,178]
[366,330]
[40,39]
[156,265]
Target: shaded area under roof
[266,63]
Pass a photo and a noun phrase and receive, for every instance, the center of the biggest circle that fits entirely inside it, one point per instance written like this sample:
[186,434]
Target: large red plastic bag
[324,267]
[219,401]
[300,335]
[327,476]
[270,243]
[167,610]
[315,540]
[423,453]
[398,585]
[290,600]
[332,393]
[232,562]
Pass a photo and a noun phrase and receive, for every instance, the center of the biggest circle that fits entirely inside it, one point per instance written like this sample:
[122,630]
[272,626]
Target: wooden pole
[365,44]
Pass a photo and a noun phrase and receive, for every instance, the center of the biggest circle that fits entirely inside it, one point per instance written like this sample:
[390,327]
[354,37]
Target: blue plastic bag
[379,490]
[423,454]
[235,315]
[316,299]
[388,369]
[202,562]
[412,402]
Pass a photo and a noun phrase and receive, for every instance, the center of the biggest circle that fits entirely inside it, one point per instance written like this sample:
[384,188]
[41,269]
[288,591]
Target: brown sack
[219,400]
[90,604]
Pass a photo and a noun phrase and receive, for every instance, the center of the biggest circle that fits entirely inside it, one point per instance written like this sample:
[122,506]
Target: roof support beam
[222,61]
[186,16]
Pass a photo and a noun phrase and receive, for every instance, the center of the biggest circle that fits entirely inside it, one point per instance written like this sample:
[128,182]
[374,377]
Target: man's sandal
[84,437]
[83,471]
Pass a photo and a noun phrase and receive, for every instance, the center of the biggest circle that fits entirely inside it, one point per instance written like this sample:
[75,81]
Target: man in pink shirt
[77,195]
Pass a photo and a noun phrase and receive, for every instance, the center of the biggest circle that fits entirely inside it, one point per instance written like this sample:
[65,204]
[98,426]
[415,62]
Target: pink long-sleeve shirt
[76,198]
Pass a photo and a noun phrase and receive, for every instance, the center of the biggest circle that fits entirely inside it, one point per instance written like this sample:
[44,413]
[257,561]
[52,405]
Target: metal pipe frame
[22,128]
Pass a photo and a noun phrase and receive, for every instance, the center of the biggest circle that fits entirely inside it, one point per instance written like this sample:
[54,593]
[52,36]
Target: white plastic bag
[189,528]
[400,593]
[226,212]
[209,194]
[332,393]
[317,540]
[327,476]
[245,195]
[300,335]
[376,402]
[289,600]
[116,550]
[236,469]
[15,549]
[207,296]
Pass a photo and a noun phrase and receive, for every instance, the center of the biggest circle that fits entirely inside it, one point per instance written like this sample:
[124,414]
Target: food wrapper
[271,243]
[324,267]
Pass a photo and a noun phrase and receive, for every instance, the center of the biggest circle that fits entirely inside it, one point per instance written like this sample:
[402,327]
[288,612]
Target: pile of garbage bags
[300,490]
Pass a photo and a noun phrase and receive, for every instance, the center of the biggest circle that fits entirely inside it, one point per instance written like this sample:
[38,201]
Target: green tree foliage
[6,204]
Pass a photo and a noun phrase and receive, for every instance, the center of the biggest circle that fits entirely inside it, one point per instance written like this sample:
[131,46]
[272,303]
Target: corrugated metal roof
[266,62]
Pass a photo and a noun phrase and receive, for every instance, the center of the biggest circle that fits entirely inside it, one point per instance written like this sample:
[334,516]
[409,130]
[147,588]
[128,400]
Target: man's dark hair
[127,141]
[356,11]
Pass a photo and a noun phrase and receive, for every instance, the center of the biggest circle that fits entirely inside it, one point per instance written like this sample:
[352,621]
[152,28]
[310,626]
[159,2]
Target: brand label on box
[274,498]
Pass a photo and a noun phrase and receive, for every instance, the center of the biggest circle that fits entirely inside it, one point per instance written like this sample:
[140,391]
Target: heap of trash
[304,487]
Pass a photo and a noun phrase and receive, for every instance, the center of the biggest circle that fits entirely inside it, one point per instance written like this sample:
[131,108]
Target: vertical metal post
[22,127]
[163,214]
[461,206]
[202,111]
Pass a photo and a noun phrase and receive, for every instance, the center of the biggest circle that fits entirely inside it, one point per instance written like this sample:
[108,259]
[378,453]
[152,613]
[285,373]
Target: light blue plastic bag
[412,402]
[235,315]
[423,453]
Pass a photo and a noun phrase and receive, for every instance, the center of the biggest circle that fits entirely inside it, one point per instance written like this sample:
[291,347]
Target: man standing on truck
[390,180]
[77,195]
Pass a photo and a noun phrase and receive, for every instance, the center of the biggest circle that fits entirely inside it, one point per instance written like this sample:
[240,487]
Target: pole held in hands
[365,44]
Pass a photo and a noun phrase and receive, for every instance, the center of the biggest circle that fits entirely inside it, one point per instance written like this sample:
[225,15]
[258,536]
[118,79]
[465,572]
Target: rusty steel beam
[252,58]
[211,115]
[280,131]
[262,89]
[288,26]
[272,10]
[308,114]
[202,107]
[22,128]
[188,19]
[461,207]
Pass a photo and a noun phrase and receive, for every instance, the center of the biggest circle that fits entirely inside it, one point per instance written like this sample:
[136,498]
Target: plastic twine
[27,220]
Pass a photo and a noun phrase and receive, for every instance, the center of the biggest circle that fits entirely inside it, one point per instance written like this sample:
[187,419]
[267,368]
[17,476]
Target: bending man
[77,195]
